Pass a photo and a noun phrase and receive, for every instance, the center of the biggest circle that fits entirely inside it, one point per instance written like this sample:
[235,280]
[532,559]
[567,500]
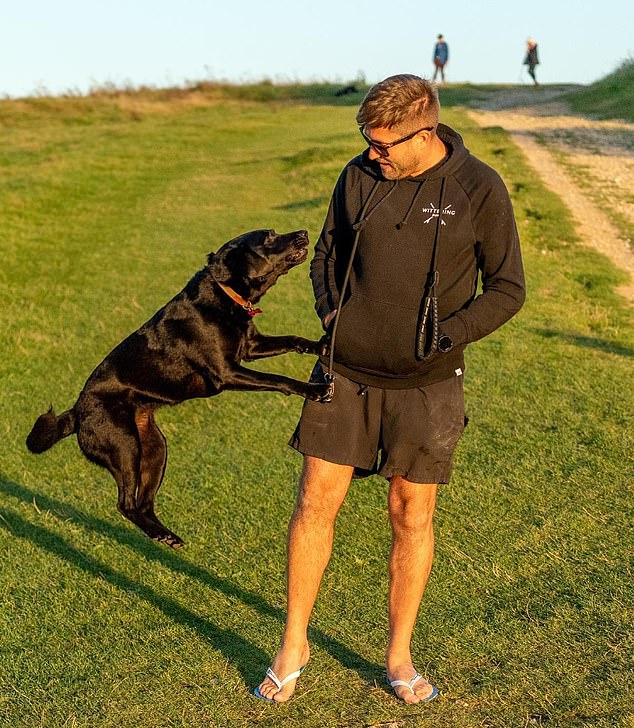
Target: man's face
[403,160]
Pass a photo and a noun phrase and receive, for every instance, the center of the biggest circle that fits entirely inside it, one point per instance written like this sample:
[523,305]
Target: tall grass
[526,620]
[609,97]
[127,103]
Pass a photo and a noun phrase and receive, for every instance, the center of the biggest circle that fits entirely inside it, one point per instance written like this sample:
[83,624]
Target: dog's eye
[265,275]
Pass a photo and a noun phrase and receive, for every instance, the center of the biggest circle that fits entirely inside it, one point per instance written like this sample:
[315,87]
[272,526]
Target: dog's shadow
[249,660]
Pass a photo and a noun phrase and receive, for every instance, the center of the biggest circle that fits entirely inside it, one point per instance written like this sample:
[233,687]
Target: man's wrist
[455,328]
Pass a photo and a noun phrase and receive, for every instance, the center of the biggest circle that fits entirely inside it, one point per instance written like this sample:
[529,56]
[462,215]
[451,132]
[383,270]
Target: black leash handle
[428,328]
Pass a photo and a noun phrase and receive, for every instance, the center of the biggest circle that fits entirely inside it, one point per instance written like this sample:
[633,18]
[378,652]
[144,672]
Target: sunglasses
[383,150]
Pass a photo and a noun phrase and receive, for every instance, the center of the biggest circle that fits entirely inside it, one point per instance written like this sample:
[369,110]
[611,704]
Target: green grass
[611,97]
[108,207]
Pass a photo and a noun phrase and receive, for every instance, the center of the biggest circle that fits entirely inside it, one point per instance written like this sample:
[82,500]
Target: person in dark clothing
[413,218]
[441,56]
[531,59]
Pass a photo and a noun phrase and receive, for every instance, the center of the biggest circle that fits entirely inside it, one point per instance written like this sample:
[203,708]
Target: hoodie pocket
[377,336]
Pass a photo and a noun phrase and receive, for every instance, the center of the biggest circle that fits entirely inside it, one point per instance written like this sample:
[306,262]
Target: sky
[60,46]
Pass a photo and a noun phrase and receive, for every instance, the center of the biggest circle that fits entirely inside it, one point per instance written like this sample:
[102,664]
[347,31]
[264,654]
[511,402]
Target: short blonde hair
[404,101]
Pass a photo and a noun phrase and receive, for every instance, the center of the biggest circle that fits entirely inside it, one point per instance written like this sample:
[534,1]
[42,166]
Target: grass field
[108,207]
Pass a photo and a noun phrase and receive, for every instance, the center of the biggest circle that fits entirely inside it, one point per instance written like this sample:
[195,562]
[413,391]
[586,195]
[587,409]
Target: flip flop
[410,685]
[279,683]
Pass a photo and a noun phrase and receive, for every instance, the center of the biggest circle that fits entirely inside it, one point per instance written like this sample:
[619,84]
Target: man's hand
[328,319]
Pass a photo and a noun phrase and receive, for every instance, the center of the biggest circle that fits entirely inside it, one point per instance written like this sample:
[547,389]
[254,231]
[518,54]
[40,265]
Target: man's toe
[285,693]
[266,689]
[424,690]
[407,696]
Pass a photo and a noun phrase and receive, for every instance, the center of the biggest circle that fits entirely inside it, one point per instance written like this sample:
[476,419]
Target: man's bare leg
[411,509]
[322,489]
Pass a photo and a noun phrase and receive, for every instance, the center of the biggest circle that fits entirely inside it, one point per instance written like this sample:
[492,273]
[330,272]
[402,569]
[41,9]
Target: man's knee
[411,505]
[322,488]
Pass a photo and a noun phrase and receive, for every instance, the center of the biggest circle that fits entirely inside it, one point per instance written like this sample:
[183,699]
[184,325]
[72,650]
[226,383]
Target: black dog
[192,347]
[351,89]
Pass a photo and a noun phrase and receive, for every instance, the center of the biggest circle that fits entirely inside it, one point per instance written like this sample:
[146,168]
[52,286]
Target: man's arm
[499,261]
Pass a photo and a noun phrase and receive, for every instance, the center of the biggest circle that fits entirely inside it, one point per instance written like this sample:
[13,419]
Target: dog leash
[357,227]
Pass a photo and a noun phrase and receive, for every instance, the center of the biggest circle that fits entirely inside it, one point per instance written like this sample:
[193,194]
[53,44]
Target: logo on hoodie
[433,211]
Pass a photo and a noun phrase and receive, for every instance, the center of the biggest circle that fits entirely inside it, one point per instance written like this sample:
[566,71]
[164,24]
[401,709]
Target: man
[441,56]
[397,408]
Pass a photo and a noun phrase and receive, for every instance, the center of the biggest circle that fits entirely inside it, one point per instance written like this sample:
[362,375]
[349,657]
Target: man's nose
[373,154]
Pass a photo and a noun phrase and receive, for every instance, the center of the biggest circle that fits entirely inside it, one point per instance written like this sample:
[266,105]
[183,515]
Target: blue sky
[64,45]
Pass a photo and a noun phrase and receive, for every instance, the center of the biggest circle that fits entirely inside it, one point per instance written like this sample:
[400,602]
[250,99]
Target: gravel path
[588,163]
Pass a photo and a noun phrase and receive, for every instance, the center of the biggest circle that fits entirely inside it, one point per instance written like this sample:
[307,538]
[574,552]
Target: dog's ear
[217,266]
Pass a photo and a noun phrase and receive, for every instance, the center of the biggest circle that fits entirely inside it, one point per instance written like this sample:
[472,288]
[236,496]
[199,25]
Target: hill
[612,97]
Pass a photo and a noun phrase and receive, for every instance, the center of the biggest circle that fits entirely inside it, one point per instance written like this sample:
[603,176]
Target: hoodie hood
[457,154]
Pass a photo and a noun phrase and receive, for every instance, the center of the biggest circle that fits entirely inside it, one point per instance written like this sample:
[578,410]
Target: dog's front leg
[260,346]
[241,378]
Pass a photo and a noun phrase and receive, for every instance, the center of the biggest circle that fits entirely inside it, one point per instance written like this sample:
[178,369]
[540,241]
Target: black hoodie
[376,335]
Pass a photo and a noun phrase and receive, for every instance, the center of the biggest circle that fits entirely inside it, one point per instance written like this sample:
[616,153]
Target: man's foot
[286,662]
[413,690]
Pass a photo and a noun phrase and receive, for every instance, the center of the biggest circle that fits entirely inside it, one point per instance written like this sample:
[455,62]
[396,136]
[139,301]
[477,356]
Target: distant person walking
[441,56]
[531,60]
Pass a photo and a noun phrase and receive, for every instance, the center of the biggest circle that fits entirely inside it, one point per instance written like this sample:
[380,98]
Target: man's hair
[404,101]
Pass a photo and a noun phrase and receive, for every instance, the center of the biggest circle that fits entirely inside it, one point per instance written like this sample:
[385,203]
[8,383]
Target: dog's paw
[324,345]
[318,348]
[330,392]
[309,347]
[322,391]
[157,532]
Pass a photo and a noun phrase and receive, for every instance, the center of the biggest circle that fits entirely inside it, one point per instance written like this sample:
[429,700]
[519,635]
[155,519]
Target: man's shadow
[249,660]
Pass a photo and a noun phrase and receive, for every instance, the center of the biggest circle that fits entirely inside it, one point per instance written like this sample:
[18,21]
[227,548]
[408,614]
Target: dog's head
[252,263]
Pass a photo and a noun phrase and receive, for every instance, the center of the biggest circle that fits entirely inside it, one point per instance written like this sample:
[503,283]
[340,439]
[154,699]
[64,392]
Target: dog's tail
[49,429]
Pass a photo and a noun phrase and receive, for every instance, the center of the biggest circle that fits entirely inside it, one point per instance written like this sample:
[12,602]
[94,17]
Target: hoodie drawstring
[411,206]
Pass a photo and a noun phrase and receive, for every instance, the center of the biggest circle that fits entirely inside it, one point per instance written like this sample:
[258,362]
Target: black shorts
[406,432]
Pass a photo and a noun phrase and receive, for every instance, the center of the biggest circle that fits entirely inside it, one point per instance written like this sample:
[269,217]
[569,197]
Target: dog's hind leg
[108,436]
[153,464]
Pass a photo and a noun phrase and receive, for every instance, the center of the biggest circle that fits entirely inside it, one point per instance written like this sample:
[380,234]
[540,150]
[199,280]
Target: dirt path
[588,163]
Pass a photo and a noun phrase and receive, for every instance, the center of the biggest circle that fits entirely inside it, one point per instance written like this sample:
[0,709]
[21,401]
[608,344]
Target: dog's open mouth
[297,256]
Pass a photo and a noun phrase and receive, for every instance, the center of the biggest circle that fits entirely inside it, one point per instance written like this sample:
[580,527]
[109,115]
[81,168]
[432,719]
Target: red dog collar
[237,298]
